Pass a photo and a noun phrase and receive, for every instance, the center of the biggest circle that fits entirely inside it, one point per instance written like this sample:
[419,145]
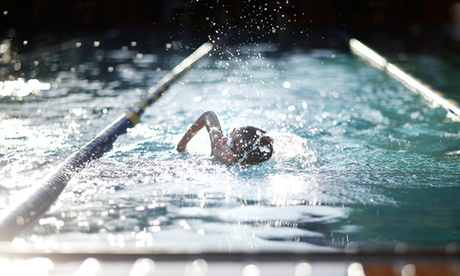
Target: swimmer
[243,145]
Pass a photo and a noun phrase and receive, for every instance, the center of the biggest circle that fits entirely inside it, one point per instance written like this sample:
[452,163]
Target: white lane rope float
[361,50]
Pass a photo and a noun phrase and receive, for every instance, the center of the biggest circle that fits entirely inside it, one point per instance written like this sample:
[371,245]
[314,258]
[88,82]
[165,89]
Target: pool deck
[238,263]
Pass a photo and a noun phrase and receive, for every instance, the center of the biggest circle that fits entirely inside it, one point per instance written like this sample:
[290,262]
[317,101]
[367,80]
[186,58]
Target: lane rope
[39,202]
[360,49]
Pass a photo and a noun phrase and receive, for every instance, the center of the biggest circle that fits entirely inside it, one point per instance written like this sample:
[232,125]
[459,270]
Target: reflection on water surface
[358,159]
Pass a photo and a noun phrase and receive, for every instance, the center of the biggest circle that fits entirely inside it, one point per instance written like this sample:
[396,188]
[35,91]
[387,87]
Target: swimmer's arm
[208,120]
[224,153]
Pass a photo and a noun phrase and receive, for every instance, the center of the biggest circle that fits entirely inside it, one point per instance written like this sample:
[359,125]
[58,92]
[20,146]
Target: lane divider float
[39,202]
[360,49]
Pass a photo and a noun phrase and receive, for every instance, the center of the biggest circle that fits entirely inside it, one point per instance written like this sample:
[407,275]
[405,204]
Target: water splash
[347,140]
[18,89]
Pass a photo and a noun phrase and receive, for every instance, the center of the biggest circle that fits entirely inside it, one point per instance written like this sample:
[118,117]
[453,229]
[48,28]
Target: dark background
[148,13]
[396,29]
[416,25]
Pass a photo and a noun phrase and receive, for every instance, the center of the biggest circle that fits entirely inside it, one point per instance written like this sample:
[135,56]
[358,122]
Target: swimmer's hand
[181,147]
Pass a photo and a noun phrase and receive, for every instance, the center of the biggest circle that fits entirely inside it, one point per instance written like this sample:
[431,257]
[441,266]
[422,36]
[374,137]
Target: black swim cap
[252,145]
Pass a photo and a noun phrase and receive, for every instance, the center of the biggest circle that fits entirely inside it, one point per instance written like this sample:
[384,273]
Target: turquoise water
[359,159]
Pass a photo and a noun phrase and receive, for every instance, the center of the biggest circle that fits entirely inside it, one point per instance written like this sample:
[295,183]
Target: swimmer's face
[251,145]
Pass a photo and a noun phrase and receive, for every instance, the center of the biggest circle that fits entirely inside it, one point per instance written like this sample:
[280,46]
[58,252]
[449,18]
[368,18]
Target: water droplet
[408,270]
[302,269]
[20,220]
[142,267]
[355,269]
[251,270]
[17,66]
[286,84]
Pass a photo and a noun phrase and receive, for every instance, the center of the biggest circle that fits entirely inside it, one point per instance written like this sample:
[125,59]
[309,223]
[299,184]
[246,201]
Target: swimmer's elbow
[209,112]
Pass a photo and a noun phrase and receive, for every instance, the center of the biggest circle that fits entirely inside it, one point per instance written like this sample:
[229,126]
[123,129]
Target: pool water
[360,161]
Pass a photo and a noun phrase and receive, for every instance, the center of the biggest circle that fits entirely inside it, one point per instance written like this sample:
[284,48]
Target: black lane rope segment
[39,202]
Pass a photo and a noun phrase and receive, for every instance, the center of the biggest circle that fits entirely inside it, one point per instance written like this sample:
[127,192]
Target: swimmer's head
[252,145]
